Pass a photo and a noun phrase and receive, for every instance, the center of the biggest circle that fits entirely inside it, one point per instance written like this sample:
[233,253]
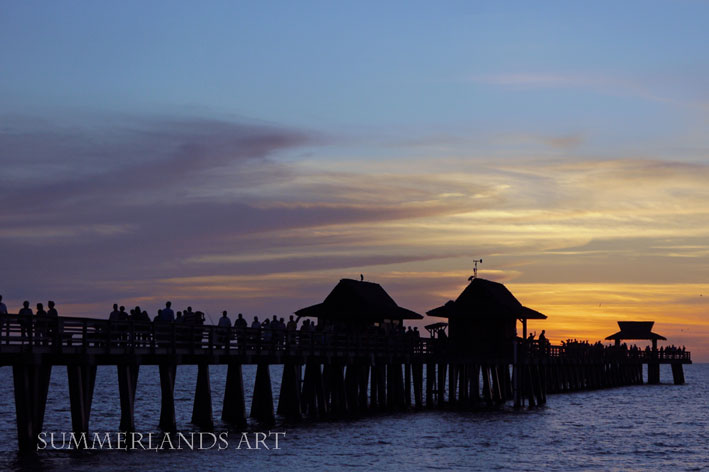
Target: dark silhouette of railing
[599,352]
[89,335]
[75,335]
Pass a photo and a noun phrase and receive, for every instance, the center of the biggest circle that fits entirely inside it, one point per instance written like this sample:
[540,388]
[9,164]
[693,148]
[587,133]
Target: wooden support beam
[31,384]
[517,385]
[474,381]
[168,422]
[336,379]
[529,387]
[382,385]
[202,407]
[399,401]
[234,408]
[463,388]
[352,388]
[363,384]
[127,384]
[678,374]
[496,387]
[430,381]
[487,388]
[653,373]
[262,402]
[442,367]
[320,390]
[453,370]
[417,373]
[82,379]
[407,385]
[313,401]
[289,397]
[391,386]
[374,388]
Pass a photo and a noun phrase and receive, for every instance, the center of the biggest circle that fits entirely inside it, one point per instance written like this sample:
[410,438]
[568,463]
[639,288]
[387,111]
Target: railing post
[58,335]
[132,336]
[174,339]
[84,336]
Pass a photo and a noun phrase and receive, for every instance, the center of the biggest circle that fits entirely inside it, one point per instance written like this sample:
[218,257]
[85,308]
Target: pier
[326,374]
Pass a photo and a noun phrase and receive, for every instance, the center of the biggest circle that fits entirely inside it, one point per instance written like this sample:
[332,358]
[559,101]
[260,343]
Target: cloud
[667,90]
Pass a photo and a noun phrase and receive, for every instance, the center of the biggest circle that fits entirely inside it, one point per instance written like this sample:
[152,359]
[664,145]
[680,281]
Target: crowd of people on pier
[136,326]
[39,327]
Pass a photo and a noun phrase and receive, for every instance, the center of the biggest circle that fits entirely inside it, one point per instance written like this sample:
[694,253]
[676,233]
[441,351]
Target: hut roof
[485,298]
[356,300]
[438,325]
[635,330]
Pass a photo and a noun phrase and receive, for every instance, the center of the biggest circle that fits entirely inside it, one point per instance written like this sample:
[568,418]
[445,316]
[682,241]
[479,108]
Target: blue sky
[246,155]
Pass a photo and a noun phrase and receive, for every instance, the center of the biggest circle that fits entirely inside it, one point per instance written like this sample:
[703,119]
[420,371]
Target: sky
[247,155]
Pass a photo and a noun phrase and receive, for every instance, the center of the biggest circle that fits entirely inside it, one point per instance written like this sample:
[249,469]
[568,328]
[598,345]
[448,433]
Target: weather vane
[475,269]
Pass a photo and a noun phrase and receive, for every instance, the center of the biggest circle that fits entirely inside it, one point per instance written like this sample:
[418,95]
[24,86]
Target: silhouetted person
[115,314]
[40,324]
[122,315]
[167,314]
[52,316]
[189,317]
[224,321]
[224,328]
[291,327]
[255,335]
[240,326]
[40,310]
[25,320]
[52,312]
[3,308]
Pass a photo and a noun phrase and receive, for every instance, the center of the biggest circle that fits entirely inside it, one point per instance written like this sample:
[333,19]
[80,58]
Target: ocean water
[649,427]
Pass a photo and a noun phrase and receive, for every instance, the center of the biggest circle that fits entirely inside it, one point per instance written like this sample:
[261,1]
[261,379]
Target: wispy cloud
[671,91]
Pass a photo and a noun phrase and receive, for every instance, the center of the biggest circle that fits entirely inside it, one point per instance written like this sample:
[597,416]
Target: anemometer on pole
[475,269]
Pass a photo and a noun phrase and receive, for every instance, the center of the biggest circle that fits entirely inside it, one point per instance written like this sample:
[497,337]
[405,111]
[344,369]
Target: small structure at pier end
[642,330]
[355,306]
[483,319]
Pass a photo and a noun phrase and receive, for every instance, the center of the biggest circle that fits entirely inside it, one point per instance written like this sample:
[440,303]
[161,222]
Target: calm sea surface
[663,427]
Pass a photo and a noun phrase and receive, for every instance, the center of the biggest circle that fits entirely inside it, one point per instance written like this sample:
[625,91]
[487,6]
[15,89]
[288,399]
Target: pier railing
[597,352]
[20,334]
[69,335]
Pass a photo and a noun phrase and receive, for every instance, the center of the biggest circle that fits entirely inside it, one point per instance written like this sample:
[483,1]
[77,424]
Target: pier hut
[355,305]
[366,316]
[642,330]
[483,319]
[483,343]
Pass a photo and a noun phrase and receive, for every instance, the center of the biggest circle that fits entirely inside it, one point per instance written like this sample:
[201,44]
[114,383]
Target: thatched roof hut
[358,302]
[483,318]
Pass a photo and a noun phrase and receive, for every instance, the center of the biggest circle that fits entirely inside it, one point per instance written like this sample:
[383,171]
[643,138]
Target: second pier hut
[483,319]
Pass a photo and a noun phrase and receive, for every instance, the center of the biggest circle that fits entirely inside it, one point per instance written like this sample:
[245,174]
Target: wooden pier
[325,374]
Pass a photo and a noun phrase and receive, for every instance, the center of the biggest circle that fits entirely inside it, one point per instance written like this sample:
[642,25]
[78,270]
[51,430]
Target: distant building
[482,320]
[358,305]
